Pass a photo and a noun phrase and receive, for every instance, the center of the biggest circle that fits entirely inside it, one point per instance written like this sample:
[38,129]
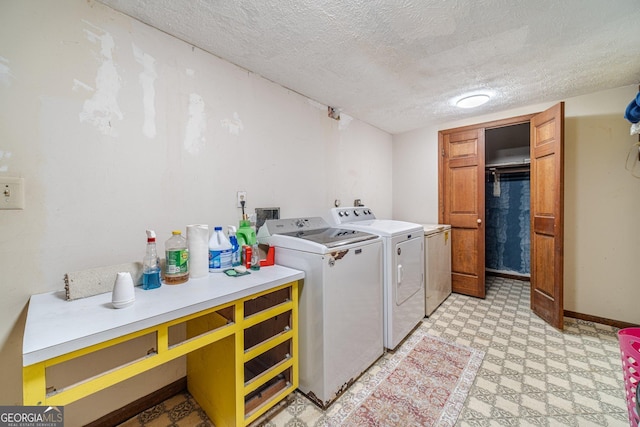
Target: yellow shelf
[217,357]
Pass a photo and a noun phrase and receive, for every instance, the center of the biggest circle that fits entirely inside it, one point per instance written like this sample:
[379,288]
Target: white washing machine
[403,266]
[340,315]
[437,265]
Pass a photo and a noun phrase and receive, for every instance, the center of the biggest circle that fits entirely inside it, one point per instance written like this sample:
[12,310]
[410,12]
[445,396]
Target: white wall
[77,121]
[415,176]
[602,206]
[117,127]
[602,199]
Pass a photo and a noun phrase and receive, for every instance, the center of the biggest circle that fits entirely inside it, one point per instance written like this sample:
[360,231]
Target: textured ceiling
[398,64]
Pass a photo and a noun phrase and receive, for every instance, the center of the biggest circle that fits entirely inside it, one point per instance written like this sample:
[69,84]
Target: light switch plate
[11,193]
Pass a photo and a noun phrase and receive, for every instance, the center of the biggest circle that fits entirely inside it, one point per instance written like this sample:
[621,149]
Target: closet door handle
[479,220]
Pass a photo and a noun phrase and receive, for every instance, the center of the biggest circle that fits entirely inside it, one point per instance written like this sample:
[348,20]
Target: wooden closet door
[462,205]
[547,207]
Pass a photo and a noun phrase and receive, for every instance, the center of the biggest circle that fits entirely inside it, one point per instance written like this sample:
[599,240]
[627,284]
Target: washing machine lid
[332,237]
[386,227]
[363,218]
[312,232]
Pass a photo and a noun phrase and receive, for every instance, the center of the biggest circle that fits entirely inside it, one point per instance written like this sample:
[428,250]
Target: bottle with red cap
[151,264]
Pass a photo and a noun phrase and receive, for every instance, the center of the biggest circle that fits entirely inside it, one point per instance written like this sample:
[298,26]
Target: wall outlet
[11,193]
[242,196]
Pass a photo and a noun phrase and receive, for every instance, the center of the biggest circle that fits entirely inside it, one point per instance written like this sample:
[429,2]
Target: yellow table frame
[216,359]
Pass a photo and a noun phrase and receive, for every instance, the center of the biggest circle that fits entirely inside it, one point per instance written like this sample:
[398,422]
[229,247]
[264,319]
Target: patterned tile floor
[531,375]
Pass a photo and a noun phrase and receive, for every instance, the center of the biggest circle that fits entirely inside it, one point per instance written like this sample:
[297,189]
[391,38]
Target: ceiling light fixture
[472,101]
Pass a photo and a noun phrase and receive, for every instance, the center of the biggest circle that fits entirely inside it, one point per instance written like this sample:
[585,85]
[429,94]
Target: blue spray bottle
[235,247]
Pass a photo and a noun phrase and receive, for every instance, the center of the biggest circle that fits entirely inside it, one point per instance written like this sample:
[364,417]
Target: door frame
[481,127]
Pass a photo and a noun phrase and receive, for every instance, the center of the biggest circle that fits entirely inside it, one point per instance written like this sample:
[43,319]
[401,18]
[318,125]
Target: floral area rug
[424,383]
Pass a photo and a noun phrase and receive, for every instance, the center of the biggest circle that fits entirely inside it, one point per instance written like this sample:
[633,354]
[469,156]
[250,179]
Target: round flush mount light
[472,101]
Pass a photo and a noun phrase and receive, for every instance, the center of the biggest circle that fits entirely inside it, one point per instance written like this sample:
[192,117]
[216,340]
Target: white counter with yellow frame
[240,335]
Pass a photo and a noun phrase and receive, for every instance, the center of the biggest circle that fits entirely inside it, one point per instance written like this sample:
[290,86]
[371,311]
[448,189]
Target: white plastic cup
[123,294]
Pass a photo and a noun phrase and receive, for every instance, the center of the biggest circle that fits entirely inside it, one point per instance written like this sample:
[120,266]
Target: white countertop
[56,326]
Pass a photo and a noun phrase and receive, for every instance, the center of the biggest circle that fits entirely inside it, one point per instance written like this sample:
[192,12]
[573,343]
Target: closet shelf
[511,167]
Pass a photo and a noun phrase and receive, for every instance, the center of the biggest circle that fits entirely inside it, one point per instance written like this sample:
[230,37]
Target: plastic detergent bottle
[177,264]
[151,264]
[246,233]
[235,247]
[220,251]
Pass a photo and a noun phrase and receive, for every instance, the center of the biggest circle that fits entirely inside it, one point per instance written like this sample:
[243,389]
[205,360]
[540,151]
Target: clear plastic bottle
[255,257]
[220,251]
[177,264]
[151,264]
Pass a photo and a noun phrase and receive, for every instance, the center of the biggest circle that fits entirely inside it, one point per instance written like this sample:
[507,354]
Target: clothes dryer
[403,267]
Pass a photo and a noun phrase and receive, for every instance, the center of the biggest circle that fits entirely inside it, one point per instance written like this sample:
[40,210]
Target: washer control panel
[351,214]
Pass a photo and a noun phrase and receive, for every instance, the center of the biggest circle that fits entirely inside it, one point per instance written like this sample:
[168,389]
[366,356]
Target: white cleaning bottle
[220,251]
